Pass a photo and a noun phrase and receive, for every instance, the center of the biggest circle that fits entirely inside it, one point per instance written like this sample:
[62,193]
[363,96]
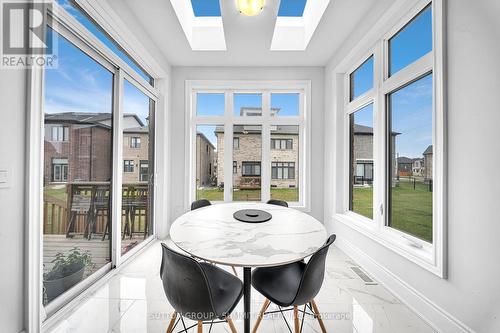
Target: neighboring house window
[236,143]
[282,144]
[210,168]
[143,170]
[235,167]
[207,148]
[60,133]
[128,166]
[60,169]
[283,170]
[135,142]
[250,169]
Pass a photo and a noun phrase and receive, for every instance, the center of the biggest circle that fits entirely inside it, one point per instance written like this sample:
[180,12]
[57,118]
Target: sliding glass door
[98,160]
[78,145]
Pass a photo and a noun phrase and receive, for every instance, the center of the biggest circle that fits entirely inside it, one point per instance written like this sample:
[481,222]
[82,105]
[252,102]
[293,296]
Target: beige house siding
[135,154]
[205,157]
[250,150]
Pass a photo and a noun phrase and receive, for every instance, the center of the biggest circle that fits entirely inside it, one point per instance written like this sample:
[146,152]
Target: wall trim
[438,318]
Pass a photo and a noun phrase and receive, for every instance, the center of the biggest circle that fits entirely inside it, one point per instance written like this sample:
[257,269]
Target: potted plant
[67,271]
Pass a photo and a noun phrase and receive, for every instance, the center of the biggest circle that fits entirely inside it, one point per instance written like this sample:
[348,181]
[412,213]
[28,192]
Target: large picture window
[257,141]
[394,140]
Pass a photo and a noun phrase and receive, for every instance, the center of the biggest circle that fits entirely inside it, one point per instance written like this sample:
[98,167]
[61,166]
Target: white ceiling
[248,39]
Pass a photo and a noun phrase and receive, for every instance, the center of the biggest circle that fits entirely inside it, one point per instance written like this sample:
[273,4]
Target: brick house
[205,157]
[135,154]
[78,146]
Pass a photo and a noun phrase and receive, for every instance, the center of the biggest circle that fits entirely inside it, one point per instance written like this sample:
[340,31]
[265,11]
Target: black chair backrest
[314,273]
[277,202]
[199,204]
[186,285]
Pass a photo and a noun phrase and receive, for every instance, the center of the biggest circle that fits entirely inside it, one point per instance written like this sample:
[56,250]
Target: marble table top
[213,234]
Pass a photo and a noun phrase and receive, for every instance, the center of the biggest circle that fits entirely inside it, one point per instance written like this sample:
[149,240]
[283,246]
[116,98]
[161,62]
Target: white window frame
[429,256]
[228,119]
[64,24]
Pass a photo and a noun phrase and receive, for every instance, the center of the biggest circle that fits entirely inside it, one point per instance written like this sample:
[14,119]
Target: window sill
[404,245]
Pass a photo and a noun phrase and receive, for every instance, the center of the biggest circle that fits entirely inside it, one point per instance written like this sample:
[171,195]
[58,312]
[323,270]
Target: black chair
[200,203]
[198,291]
[277,202]
[293,285]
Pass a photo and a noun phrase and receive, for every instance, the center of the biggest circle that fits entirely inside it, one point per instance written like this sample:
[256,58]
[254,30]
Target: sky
[212,8]
[80,84]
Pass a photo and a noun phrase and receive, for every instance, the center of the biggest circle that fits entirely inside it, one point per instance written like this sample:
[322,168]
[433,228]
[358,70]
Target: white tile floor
[133,301]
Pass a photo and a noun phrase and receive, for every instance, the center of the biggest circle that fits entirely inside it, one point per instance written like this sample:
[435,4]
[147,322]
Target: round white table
[212,233]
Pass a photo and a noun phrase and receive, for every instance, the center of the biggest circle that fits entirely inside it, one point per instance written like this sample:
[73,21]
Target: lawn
[411,207]
[216,194]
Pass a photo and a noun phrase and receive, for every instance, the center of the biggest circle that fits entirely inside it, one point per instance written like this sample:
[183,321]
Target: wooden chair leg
[261,314]
[296,319]
[200,326]
[231,325]
[172,322]
[234,271]
[318,316]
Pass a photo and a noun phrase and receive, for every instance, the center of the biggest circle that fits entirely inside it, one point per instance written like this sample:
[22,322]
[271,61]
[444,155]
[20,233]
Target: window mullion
[266,148]
[379,139]
[228,146]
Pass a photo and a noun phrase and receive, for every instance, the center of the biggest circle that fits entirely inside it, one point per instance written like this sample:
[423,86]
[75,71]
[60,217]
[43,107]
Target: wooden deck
[99,250]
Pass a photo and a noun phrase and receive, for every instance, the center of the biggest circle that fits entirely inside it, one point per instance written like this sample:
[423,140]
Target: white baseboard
[434,315]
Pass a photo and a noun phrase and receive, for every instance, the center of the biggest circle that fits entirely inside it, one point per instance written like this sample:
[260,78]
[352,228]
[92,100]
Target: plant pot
[54,288]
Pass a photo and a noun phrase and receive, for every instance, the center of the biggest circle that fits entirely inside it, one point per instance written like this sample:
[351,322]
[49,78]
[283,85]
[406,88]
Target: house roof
[144,129]
[367,130]
[428,150]
[406,160]
[257,110]
[85,117]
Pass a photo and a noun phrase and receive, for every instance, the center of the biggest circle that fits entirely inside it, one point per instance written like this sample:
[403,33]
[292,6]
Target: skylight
[292,8]
[204,8]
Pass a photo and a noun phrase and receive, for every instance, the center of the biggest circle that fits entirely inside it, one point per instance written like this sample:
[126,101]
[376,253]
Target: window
[135,142]
[143,171]
[209,183]
[128,166]
[250,169]
[410,199]
[412,42]
[60,133]
[60,169]
[283,170]
[244,167]
[247,104]
[282,144]
[361,80]
[392,160]
[361,161]
[247,185]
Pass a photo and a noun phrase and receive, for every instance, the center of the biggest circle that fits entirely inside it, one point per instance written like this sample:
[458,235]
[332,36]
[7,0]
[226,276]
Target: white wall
[12,218]
[177,135]
[470,297]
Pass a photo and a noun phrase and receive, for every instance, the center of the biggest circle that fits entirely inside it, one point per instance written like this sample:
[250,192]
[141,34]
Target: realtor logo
[25,40]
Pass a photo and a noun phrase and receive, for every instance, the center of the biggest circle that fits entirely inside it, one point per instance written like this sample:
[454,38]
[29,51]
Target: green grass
[57,192]
[411,209]
[215,194]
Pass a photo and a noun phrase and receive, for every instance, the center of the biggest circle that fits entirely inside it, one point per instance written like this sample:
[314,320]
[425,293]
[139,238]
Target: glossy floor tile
[133,301]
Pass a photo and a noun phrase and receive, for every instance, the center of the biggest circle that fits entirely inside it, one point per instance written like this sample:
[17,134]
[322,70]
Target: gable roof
[86,117]
[428,150]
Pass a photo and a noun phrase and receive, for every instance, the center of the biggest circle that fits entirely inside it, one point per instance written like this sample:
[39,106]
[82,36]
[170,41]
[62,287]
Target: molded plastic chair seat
[198,291]
[279,284]
[277,202]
